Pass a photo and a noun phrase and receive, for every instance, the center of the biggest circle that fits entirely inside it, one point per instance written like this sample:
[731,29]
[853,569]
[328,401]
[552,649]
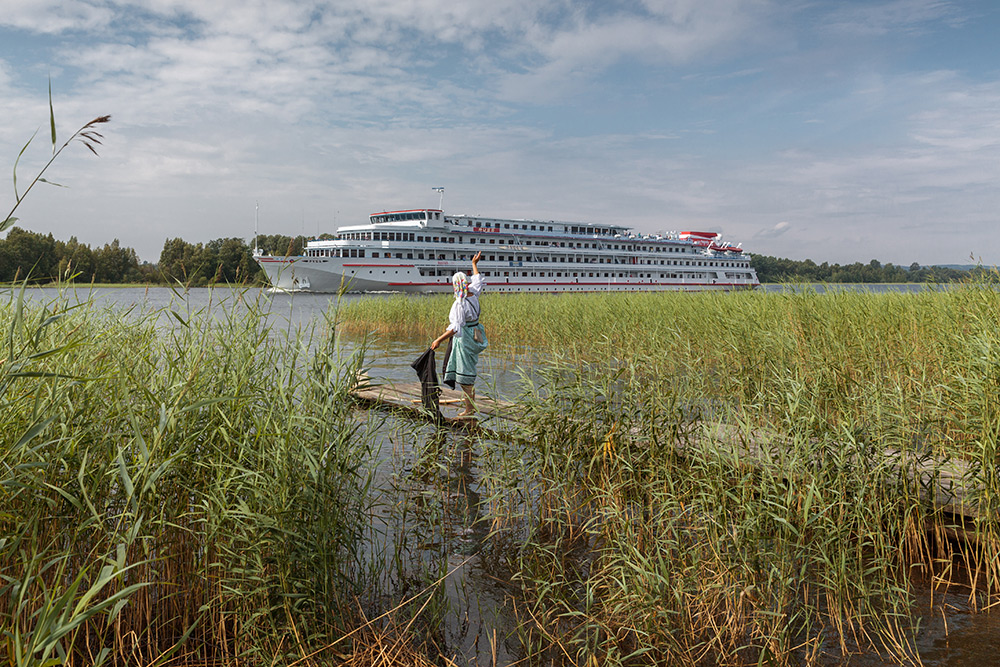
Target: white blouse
[467,309]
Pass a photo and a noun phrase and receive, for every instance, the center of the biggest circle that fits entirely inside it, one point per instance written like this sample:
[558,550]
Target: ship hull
[304,274]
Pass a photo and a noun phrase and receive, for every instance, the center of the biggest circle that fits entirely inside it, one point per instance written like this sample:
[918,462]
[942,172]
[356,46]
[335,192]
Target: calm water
[386,359]
[443,533]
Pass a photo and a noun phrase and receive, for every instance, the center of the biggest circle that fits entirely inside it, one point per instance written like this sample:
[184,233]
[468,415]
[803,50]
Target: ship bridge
[425,217]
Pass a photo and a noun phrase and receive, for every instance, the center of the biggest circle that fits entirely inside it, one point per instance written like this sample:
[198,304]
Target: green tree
[234,261]
[776,270]
[115,264]
[180,261]
[29,254]
[280,245]
[76,258]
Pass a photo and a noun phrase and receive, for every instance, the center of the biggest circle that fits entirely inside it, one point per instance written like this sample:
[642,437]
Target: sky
[837,131]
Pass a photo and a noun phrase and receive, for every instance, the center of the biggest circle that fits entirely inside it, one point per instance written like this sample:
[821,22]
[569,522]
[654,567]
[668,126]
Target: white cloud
[773,232]
[674,32]
[881,18]
[929,199]
[54,16]
[318,107]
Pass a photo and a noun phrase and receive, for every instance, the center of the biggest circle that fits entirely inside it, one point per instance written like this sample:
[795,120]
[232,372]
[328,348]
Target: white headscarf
[466,305]
[460,285]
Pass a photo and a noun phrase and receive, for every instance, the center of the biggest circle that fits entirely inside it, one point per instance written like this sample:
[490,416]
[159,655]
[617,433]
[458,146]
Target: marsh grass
[695,479]
[196,493]
[911,369]
[633,534]
[641,541]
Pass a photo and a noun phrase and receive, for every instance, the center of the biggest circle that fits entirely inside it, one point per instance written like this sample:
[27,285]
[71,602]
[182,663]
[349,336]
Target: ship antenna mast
[256,215]
[440,191]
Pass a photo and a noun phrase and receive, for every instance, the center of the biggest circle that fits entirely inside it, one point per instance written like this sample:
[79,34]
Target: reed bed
[632,534]
[899,365]
[642,541]
[188,494]
[721,479]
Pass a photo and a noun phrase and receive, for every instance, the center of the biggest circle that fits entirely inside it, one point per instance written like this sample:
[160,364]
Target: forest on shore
[42,259]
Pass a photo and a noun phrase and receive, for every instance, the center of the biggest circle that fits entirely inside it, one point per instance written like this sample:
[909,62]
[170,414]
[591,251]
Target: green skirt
[464,355]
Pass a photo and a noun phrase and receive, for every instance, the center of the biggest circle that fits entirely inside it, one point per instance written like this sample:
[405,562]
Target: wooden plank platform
[945,483]
[405,396]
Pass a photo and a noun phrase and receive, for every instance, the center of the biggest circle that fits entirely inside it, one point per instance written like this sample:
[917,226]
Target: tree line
[40,258]
[778,270]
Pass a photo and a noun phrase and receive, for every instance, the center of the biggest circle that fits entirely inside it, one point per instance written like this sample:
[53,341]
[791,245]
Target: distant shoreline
[5,286]
[121,286]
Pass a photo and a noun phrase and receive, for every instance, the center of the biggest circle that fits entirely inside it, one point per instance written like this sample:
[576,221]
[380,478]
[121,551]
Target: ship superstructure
[418,250]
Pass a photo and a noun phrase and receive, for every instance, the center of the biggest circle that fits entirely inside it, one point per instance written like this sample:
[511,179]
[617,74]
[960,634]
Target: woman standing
[467,334]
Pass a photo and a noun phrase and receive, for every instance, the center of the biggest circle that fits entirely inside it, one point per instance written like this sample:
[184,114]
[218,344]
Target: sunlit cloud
[55,16]
[773,232]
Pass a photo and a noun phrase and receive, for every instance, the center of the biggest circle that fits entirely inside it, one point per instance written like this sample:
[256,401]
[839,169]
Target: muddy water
[431,517]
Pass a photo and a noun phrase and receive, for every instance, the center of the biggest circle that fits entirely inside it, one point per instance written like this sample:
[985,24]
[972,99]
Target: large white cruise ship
[418,250]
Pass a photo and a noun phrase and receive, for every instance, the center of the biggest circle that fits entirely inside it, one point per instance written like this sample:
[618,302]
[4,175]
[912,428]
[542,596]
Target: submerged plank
[405,396]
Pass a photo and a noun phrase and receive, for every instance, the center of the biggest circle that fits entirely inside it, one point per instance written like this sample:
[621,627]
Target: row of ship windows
[436,215]
[353,252]
[340,252]
[561,260]
[525,227]
[406,236]
[446,275]
[406,215]
[492,224]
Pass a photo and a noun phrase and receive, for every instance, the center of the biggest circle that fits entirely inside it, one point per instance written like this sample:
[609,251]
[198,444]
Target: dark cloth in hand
[430,392]
[444,364]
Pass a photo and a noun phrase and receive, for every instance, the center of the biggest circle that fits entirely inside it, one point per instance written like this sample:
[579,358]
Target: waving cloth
[430,392]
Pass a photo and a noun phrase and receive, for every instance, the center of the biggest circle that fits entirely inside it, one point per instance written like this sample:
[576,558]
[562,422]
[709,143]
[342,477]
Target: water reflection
[438,526]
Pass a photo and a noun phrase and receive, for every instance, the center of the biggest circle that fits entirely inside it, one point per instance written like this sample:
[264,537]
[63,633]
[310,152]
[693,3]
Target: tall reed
[737,478]
[694,479]
[193,492]
[647,540]
[891,363]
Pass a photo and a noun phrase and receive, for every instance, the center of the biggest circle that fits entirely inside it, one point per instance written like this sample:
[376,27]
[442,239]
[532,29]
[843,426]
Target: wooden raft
[406,396]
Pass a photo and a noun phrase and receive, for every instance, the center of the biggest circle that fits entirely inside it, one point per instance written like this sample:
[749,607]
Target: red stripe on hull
[493,285]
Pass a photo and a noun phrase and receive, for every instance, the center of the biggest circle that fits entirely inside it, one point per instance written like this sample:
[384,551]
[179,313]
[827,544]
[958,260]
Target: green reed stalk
[741,478]
[192,486]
